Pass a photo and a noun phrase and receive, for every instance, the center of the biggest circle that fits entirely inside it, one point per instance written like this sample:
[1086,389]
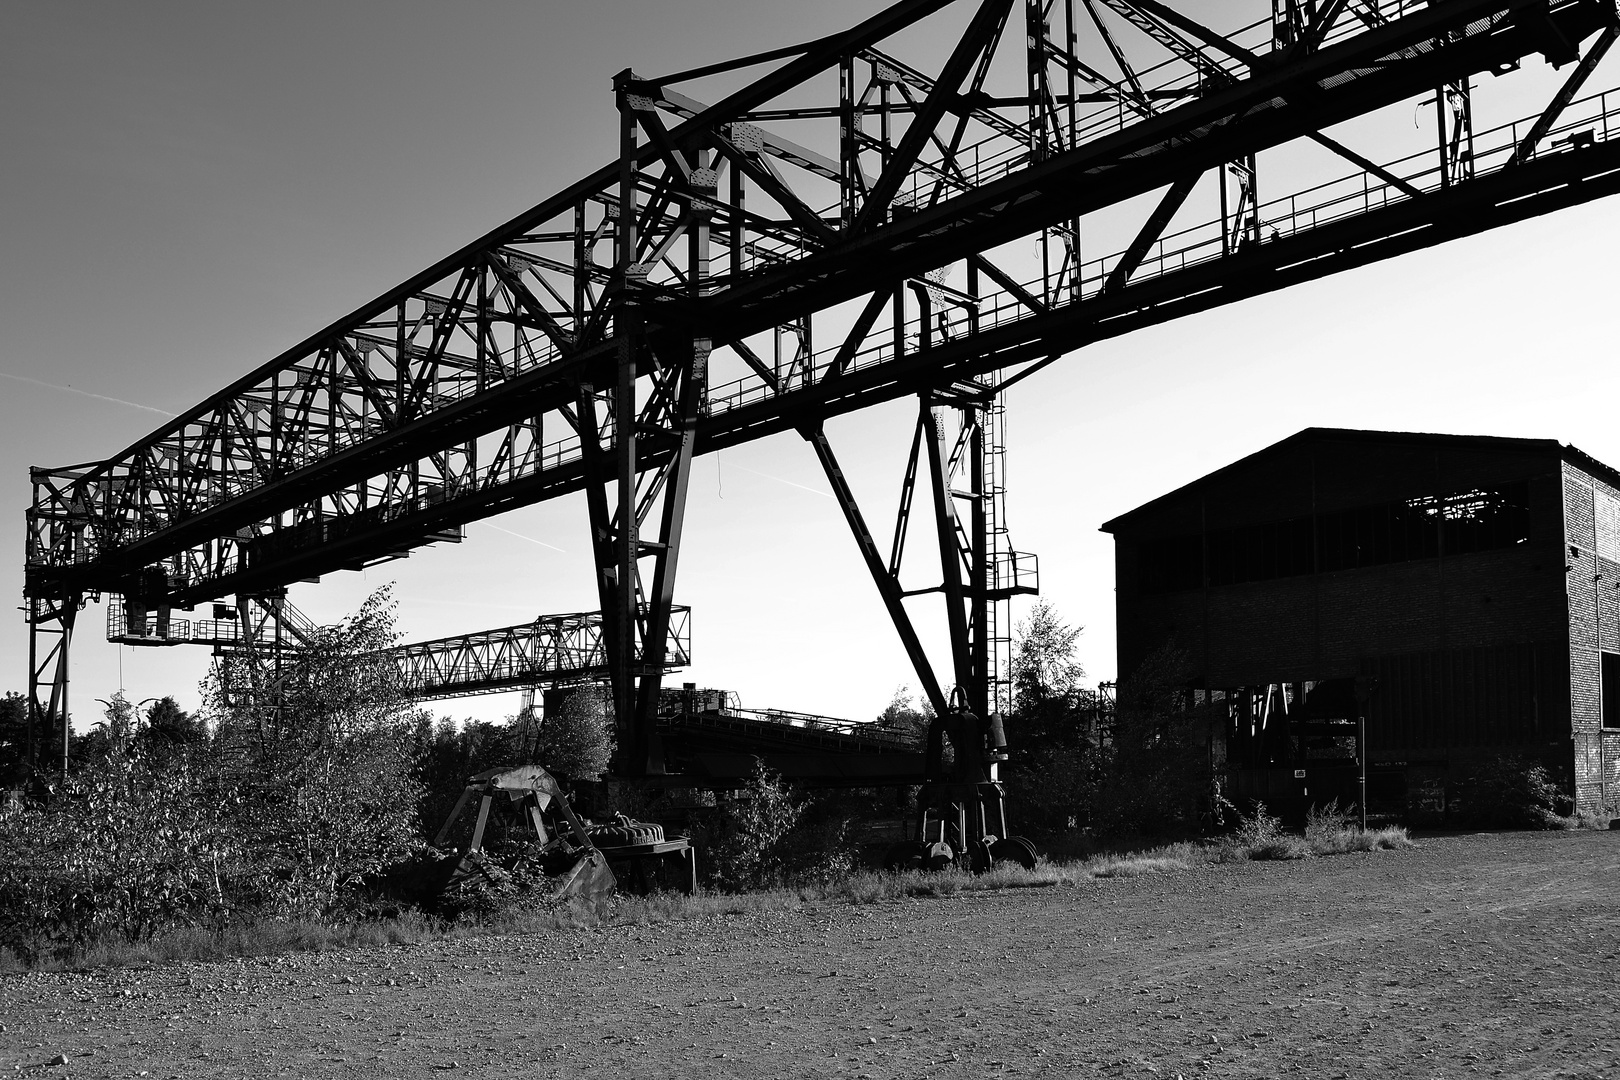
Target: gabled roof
[1410,438]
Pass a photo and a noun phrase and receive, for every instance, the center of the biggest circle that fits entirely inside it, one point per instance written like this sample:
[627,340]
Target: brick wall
[1594,627]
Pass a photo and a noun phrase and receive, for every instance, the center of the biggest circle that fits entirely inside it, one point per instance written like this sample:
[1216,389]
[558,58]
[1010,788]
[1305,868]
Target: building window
[1400,531]
[1609,674]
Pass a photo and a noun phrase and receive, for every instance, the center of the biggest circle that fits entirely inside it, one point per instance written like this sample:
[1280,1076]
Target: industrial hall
[1428,602]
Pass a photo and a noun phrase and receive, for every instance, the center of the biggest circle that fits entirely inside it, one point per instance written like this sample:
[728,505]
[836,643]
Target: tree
[109,736]
[902,714]
[1047,680]
[1052,731]
[321,751]
[168,724]
[13,738]
[576,738]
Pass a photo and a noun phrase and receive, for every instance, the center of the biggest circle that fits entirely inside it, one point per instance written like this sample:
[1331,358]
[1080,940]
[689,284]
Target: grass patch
[1328,831]
[1584,819]
[1258,838]
[1353,838]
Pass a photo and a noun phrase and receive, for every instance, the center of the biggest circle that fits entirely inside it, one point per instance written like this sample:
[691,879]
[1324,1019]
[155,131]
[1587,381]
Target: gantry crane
[802,233]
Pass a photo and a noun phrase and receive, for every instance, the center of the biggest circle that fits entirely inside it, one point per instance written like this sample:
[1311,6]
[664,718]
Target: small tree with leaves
[1052,729]
[13,739]
[575,736]
[326,764]
[746,840]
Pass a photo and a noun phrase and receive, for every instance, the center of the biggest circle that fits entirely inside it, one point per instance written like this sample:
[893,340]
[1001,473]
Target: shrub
[1331,831]
[744,840]
[1323,823]
[320,755]
[1260,835]
[142,842]
[1509,793]
[318,824]
[1157,774]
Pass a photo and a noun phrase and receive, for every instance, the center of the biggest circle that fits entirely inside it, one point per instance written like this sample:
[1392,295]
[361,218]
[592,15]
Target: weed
[520,915]
[1586,819]
[1110,867]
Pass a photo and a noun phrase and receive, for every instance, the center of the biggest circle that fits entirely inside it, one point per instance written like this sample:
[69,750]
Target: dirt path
[1490,955]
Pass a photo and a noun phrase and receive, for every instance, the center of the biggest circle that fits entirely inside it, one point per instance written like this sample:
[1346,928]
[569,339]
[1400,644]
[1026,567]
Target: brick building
[1461,593]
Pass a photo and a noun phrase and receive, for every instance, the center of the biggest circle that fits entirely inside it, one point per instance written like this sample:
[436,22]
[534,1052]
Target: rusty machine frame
[799,234]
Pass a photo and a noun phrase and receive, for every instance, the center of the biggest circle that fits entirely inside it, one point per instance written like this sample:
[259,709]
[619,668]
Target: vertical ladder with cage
[1006,573]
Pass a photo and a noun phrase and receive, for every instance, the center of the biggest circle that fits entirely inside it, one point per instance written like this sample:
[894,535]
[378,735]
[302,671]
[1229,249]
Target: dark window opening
[1609,675]
[1391,532]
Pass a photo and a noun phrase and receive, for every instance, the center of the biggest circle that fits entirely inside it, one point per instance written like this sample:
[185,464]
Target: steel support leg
[888,586]
[50,727]
[950,554]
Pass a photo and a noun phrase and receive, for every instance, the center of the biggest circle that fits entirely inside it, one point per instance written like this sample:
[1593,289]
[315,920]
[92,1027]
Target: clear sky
[189,188]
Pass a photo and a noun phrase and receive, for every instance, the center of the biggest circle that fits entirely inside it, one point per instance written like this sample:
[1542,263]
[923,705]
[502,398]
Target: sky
[189,188]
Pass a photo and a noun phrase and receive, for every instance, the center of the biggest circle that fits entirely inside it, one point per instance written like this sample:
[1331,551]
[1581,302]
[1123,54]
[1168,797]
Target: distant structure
[1461,593]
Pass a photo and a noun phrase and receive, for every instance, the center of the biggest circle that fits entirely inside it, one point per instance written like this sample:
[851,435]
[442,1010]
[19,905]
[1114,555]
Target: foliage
[907,715]
[1156,778]
[448,753]
[1328,831]
[1044,672]
[1509,793]
[140,842]
[1053,791]
[13,738]
[744,841]
[1260,835]
[575,736]
[1055,731]
[1323,823]
[168,724]
[321,754]
[112,734]
[320,823]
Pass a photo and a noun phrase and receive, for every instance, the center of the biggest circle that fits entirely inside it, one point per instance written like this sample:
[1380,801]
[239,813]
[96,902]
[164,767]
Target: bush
[1509,793]
[744,840]
[321,755]
[1157,777]
[1331,831]
[319,824]
[1260,835]
[142,842]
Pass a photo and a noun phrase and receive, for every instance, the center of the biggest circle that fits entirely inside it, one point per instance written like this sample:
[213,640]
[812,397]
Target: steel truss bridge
[551,650]
[805,232]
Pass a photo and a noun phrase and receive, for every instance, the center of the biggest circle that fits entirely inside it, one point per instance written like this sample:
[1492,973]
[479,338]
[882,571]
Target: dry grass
[1352,838]
[1586,819]
[247,938]
[250,938]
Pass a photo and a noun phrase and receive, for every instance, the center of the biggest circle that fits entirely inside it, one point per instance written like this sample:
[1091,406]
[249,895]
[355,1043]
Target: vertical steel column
[950,556]
[687,380]
[980,699]
[616,551]
[48,711]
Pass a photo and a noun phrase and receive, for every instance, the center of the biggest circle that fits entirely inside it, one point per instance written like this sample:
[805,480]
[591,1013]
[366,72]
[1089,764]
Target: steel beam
[568,348]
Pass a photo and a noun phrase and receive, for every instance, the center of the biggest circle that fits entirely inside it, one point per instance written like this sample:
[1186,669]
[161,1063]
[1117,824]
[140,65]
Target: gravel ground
[1489,954]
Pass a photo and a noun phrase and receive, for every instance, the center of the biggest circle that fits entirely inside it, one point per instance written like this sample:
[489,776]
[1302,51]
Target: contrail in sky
[520,536]
[779,480]
[86,393]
